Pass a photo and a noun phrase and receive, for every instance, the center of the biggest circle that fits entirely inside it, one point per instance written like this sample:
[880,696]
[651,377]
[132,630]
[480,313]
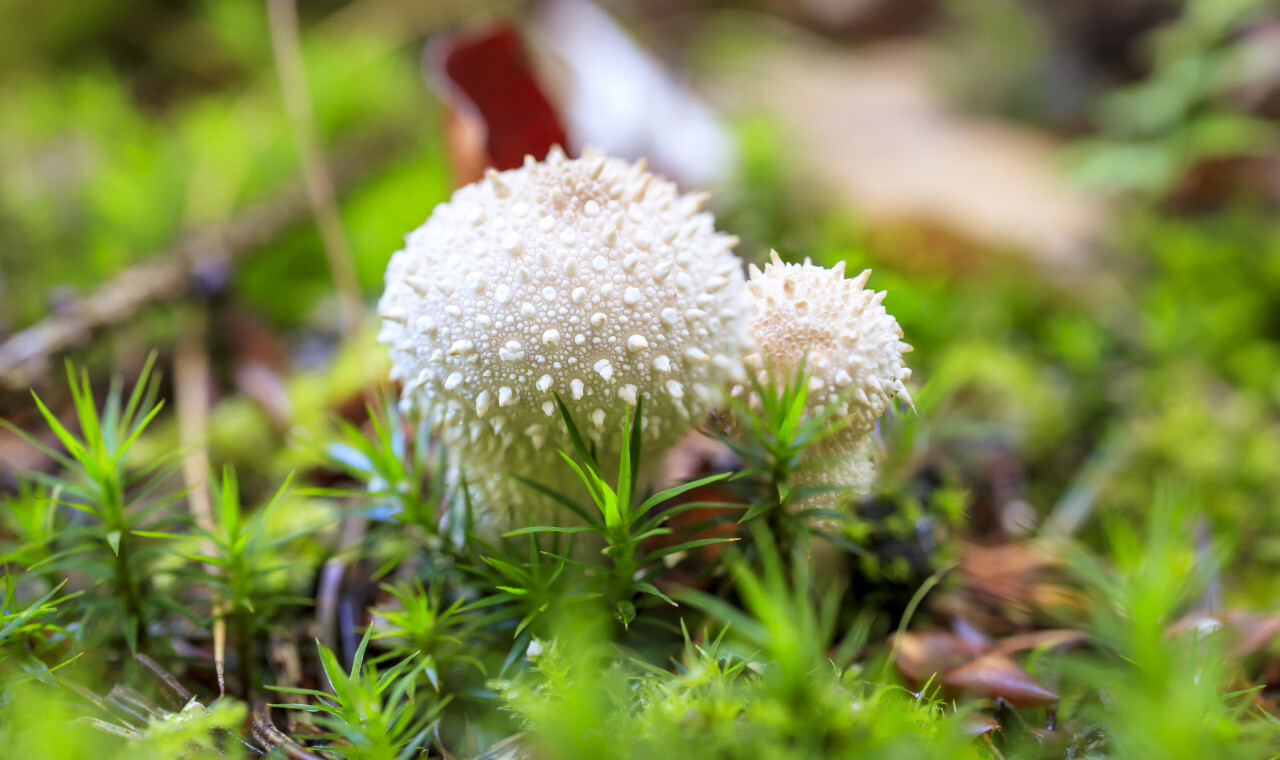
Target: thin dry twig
[191,389]
[177,694]
[167,275]
[273,739]
[288,671]
[286,46]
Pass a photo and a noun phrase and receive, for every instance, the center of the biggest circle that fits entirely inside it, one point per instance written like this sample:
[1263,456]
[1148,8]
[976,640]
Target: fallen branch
[170,274]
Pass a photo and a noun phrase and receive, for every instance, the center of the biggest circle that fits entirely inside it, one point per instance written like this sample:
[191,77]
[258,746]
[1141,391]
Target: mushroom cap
[852,346]
[589,278]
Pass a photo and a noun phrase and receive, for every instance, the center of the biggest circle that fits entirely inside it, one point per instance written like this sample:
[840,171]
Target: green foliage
[767,689]
[793,670]
[29,634]
[195,730]
[403,487]
[1002,45]
[770,196]
[1161,367]
[772,442]
[1150,676]
[394,475]
[244,568]
[40,723]
[623,524]
[106,176]
[779,623]
[119,502]
[521,588]
[420,623]
[246,558]
[30,522]
[371,716]
[1181,115]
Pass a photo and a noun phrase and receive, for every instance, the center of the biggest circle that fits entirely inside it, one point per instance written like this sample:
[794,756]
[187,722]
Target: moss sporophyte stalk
[596,281]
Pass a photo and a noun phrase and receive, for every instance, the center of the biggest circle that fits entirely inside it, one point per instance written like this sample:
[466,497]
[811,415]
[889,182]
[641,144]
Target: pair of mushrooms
[597,280]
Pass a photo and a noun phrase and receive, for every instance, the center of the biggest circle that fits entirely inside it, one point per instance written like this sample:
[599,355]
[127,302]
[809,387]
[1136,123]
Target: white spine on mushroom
[590,278]
[853,348]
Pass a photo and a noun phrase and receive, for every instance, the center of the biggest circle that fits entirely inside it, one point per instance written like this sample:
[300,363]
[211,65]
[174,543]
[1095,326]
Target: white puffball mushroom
[852,349]
[562,276]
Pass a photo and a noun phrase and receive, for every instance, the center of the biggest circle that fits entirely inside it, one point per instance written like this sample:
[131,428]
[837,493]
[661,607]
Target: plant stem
[624,564]
[132,595]
[244,651]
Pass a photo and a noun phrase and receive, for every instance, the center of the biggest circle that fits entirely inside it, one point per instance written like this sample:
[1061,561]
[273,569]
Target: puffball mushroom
[590,278]
[852,349]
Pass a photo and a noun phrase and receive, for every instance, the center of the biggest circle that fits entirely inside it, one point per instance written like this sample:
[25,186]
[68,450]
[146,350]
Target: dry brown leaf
[1244,633]
[1006,573]
[1052,639]
[976,724]
[995,675]
[870,128]
[923,654]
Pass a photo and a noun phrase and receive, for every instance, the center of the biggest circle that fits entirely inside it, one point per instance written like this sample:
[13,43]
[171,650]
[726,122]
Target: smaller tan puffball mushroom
[853,348]
[852,345]
[588,278]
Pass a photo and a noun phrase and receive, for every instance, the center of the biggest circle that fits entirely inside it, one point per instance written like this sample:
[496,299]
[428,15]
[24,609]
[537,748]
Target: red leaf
[490,70]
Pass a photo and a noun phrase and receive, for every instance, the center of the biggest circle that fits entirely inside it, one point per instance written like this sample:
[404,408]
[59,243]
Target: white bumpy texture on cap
[853,348]
[589,278]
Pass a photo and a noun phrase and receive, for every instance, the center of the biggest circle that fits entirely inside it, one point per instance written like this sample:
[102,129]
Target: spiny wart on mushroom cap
[848,473]
[590,278]
[852,345]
